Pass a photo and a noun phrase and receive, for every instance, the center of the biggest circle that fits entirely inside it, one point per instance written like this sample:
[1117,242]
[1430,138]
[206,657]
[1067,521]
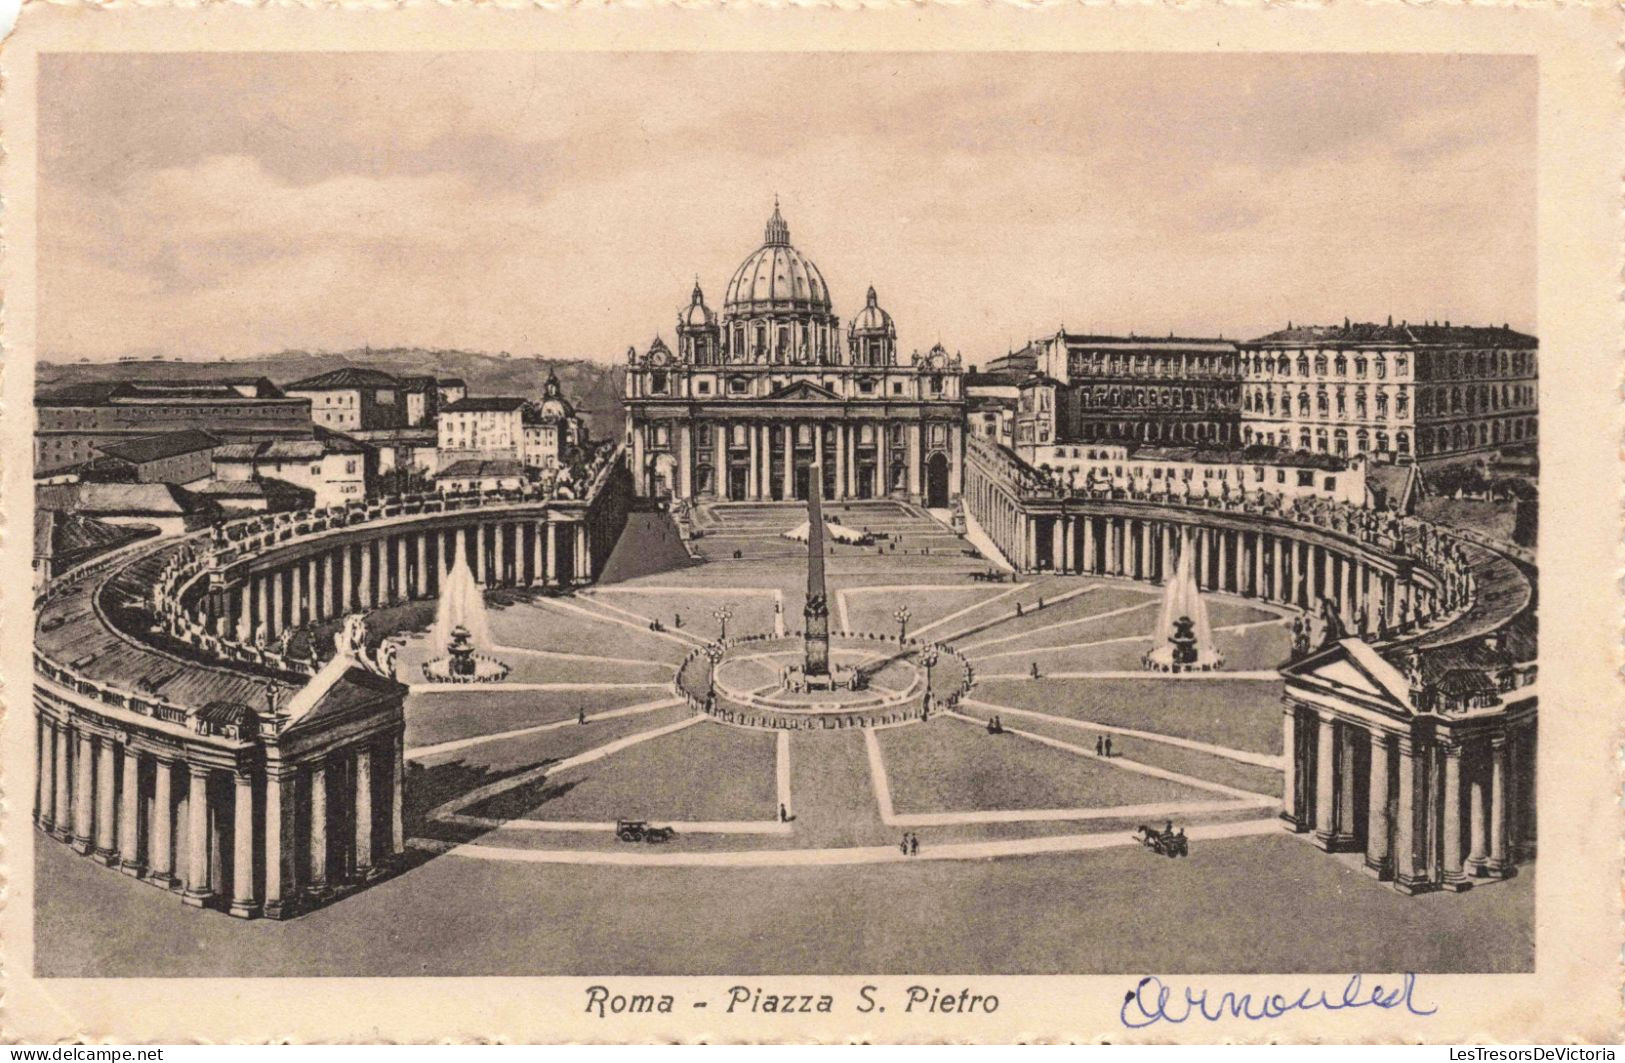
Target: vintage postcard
[964,525]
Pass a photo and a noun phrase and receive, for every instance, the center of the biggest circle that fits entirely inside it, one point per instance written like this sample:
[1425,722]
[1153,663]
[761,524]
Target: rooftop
[163,445]
[486,404]
[1404,334]
[115,499]
[345,378]
[477,468]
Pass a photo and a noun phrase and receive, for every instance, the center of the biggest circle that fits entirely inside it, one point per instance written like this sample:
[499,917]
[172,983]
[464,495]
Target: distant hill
[595,388]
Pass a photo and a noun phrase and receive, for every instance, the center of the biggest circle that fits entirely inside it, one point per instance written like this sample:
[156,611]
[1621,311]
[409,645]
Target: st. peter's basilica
[753,399]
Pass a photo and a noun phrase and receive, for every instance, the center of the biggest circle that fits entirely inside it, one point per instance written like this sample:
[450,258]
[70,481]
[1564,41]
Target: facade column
[160,828]
[1223,582]
[499,554]
[754,466]
[1378,858]
[245,611]
[1497,863]
[583,554]
[346,582]
[1326,782]
[1260,549]
[84,776]
[1450,820]
[1029,560]
[914,450]
[242,844]
[685,459]
[1069,553]
[280,865]
[1289,768]
[330,600]
[363,812]
[883,484]
[129,815]
[478,560]
[1056,546]
[401,592]
[719,462]
[198,890]
[318,829]
[1089,545]
[420,586]
[841,452]
[552,569]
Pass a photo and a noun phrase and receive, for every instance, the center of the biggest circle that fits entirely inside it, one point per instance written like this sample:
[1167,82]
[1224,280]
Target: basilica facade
[755,398]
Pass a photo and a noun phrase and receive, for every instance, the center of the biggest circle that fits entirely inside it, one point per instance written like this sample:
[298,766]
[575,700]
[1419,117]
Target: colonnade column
[1497,863]
[1289,768]
[61,808]
[1378,859]
[789,478]
[83,782]
[242,838]
[400,582]
[1406,876]
[1089,545]
[397,790]
[318,829]
[129,816]
[1454,877]
[552,569]
[280,865]
[420,586]
[1326,781]
[363,812]
[364,591]
[499,555]
[1478,817]
[1056,547]
[160,828]
[346,583]
[197,836]
[45,772]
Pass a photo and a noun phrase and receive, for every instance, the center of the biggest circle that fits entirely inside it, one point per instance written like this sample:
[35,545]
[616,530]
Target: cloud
[563,204]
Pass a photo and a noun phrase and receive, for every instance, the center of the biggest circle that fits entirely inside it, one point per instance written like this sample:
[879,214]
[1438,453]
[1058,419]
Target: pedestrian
[784,814]
[1100,745]
[581,715]
[1040,601]
[1108,745]
[1018,608]
[913,844]
[1035,669]
[904,844]
[677,620]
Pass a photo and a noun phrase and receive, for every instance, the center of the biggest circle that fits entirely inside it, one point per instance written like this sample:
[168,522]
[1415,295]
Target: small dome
[776,277]
[872,318]
[696,314]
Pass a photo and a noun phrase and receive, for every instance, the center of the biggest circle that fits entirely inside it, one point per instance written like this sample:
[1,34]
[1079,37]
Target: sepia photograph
[629,514]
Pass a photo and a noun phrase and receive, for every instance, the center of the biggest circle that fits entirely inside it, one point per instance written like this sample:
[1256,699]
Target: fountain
[460,626]
[1183,622]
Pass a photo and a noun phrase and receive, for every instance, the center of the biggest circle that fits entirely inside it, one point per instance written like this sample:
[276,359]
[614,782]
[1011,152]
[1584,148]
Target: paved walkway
[686,642]
[469,688]
[676,634]
[985,625]
[1112,641]
[1143,673]
[970,608]
[872,854]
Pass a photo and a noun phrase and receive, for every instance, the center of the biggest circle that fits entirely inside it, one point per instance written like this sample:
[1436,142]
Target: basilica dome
[776,277]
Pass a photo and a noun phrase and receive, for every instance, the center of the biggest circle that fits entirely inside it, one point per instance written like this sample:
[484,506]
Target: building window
[1306,478]
[703,387]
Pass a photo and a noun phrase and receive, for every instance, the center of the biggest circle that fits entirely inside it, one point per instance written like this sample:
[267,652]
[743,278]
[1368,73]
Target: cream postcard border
[1574,992]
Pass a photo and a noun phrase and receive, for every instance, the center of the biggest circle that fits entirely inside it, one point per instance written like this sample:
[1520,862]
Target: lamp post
[929,660]
[713,653]
[902,616]
[723,615]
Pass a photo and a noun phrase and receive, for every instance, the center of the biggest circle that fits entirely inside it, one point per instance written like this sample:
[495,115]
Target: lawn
[1239,714]
[432,718]
[948,765]
[705,772]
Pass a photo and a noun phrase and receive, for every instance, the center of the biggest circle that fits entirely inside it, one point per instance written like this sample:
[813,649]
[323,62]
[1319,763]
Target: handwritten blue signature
[1152,1002]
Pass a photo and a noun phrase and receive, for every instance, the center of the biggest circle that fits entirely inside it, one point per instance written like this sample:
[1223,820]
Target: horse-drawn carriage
[1164,843]
[638,830]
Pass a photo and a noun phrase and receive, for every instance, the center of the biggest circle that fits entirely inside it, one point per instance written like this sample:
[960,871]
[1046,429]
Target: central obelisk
[817,637]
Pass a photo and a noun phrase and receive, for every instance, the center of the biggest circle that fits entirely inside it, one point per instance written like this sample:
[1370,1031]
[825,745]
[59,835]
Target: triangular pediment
[805,391]
[1354,668]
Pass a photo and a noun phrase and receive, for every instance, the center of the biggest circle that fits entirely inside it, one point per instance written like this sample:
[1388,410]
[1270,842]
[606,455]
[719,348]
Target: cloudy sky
[562,204]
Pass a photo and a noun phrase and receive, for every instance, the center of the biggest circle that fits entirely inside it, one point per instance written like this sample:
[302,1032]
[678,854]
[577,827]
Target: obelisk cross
[817,637]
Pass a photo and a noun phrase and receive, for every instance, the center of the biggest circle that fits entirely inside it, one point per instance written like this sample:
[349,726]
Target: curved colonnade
[1411,740]
[181,741]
